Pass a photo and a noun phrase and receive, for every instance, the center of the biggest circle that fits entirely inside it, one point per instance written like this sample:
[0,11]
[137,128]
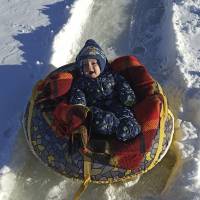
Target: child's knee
[127,129]
[105,123]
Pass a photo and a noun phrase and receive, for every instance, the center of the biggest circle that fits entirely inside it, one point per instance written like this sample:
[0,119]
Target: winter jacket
[107,89]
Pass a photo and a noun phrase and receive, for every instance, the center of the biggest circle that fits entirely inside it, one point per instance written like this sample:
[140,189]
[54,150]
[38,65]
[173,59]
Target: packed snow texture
[39,36]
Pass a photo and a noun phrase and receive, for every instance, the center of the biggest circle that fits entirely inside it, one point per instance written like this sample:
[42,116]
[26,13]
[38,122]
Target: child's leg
[104,122]
[128,127]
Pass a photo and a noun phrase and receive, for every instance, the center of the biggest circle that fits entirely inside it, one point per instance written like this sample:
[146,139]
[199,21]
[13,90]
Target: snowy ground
[163,34]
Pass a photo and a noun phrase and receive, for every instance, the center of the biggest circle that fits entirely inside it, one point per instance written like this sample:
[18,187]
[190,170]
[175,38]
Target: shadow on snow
[17,80]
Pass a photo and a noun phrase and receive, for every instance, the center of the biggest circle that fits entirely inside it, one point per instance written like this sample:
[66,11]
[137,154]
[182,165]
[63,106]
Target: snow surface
[38,36]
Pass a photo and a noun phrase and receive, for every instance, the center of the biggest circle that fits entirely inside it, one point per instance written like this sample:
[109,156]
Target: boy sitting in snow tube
[107,94]
[112,106]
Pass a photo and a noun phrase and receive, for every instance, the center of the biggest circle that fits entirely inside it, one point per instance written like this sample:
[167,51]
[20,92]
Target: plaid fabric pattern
[54,86]
[68,118]
[147,113]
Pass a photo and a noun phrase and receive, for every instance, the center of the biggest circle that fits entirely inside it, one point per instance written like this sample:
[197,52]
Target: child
[106,93]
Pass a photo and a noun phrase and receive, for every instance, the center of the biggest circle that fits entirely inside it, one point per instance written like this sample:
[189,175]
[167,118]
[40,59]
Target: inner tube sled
[128,159]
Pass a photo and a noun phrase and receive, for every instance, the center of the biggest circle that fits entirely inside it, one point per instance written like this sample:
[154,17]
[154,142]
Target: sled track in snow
[141,28]
[137,27]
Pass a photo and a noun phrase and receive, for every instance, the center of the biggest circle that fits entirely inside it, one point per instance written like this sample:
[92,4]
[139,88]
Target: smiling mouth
[91,72]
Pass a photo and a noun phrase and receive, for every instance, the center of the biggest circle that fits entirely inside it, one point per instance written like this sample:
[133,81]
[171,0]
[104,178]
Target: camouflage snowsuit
[110,99]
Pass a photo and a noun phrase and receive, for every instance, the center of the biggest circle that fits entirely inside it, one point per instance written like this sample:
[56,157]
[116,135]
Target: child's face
[91,68]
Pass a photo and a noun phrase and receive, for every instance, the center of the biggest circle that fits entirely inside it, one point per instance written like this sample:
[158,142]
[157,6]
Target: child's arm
[124,90]
[77,95]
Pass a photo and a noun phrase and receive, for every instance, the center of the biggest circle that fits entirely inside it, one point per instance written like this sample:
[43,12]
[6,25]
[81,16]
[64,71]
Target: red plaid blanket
[147,112]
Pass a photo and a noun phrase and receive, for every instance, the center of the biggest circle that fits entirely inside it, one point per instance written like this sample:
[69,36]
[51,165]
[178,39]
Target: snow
[39,36]
[66,42]
[7,182]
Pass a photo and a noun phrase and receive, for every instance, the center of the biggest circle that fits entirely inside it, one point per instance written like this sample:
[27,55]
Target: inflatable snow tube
[129,159]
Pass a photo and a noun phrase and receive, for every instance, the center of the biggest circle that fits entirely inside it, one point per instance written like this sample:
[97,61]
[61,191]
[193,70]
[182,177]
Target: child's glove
[125,92]
[126,96]
[128,100]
